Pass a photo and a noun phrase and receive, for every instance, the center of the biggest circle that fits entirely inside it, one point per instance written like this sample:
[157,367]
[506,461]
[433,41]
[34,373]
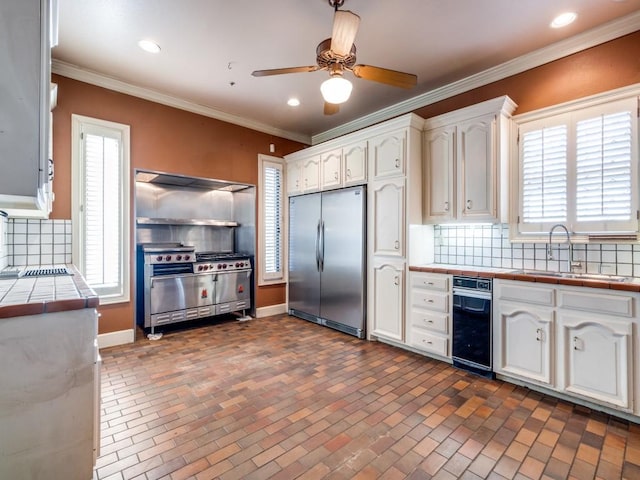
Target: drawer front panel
[428,342]
[431,282]
[430,320]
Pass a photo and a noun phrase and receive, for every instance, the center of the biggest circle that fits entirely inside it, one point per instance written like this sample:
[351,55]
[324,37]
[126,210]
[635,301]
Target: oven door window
[472,329]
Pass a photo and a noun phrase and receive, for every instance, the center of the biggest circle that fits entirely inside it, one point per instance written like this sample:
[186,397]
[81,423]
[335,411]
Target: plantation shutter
[603,168]
[272,197]
[101,209]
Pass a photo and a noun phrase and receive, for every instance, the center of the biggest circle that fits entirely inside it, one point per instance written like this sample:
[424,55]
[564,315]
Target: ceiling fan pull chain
[336,4]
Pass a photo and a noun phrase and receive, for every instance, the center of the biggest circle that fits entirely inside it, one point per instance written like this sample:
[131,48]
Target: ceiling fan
[338,54]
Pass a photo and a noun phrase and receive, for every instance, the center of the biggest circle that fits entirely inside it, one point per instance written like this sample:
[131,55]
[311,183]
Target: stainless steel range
[176,284]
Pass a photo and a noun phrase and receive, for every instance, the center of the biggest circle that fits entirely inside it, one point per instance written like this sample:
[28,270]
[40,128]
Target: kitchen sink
[577,276]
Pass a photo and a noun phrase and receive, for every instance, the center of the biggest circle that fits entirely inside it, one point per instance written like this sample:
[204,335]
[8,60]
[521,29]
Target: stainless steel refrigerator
[327,259]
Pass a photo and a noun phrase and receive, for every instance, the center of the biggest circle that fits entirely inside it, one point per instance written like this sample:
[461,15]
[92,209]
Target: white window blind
[271,221]
[579,168]
[544,175]
[603,168]
[101,206]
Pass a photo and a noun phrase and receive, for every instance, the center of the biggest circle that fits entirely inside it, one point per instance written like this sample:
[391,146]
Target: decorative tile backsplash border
[38,242]
[489,246]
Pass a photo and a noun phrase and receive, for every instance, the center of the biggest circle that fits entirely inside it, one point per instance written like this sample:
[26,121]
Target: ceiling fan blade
[384,75]
[280,71]
[345,27]
[331,108]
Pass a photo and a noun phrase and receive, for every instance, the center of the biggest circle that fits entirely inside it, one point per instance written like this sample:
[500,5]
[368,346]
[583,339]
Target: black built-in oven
[472,342]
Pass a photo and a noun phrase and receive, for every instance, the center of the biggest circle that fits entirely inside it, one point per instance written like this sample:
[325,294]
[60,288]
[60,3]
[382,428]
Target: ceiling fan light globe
[336,90]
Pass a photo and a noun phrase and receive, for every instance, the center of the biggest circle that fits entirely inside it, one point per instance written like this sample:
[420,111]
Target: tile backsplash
[4,243]
[489,246]
[38,242]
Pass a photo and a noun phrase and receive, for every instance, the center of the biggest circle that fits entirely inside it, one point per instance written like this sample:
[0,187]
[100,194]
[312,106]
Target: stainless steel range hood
[173,180]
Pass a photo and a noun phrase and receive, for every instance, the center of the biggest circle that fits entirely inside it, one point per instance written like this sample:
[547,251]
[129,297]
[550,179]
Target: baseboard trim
[271,310]
[112,339]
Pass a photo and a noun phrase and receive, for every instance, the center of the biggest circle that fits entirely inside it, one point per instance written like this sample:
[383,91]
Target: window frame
[78,122]
[574,111]
[279,277]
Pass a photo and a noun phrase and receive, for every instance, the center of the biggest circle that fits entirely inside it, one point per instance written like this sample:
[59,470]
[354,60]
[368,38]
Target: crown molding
[76,73]
[596,36]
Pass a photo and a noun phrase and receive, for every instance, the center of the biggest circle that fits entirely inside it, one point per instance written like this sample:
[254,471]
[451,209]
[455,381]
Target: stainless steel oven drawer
[180,292]
[233,287]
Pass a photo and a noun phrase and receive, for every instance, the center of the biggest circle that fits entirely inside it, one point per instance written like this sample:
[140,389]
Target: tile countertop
[46,294]
[632,285]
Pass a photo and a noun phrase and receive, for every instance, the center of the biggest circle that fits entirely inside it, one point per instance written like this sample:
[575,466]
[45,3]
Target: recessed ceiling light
[293,102]
[149,46]
[564,19]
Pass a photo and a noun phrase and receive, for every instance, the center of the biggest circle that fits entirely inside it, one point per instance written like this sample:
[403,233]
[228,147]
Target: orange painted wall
[604,67]
[162,138]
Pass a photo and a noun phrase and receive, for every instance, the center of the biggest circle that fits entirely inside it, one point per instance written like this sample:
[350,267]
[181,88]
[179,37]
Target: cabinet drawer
[525,292]
[430,300]
[431,282]
[618,305]
[428,342]
[438,322]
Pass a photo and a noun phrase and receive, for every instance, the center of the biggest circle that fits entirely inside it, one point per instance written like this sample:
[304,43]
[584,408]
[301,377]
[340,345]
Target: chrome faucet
[570,263]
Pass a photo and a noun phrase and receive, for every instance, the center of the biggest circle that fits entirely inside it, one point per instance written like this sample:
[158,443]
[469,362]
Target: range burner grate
[214,256]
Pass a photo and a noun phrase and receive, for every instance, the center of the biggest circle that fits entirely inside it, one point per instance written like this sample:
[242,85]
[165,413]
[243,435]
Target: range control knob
[178,257]
[187,257]
[199,268]
[206,267]
[168,258]
[159,258]
[224,265]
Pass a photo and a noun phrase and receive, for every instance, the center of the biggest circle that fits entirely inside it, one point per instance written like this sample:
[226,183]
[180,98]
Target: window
[271,220]
[580,168]
[100,203]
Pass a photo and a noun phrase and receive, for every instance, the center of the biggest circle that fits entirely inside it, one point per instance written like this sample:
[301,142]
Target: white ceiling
[210,48]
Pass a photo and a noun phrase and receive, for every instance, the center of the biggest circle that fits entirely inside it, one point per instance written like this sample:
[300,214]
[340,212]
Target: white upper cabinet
[24,124]
[311,174]
[439,154]
[355,164]
[331,169]
[466,164]
[389,154]
[294,177]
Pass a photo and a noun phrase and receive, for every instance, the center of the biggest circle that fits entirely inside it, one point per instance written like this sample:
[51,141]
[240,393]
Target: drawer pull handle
[539,334]
[397,163]
[446,206]
[429,321]
[468,204]
[428,342]
[396,280]
[429,283]
[575,343]
[396,245]
[430,300]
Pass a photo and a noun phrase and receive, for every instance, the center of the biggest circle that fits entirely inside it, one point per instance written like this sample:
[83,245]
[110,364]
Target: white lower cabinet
[429,324]
[524,341]
[576,341]
[596,358]
[388,291]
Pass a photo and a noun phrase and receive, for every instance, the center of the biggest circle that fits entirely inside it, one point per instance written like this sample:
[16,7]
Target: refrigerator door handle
[322,247]
[318,246]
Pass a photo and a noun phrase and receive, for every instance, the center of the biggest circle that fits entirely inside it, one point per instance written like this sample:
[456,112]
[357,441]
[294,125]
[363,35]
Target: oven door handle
[472,294]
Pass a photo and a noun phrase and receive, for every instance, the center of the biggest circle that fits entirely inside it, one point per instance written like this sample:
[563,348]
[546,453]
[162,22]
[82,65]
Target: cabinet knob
[396,245]
[468,204]
[348,173]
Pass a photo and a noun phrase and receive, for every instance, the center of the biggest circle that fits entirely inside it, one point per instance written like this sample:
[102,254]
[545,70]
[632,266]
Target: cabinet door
[310,174]
[525,340]
[331,169]
[439,177]
[597,357]
[389,152]
[388,288]
[354,158]
[477,169]
[388,217]
[294,178]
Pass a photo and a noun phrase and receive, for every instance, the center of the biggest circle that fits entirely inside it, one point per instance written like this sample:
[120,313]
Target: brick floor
[283,398]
